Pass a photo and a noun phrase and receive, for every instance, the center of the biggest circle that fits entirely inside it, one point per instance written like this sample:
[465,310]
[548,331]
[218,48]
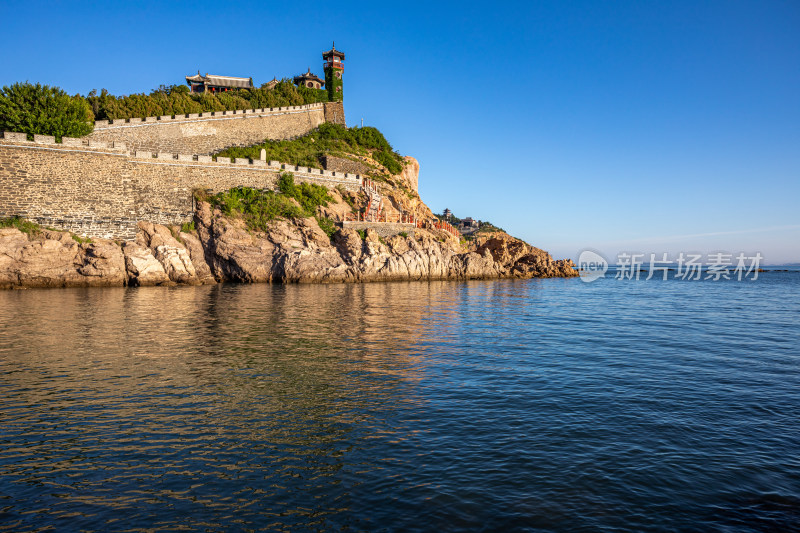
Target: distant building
[312,81]
[468,226]
[271,84]
[447,213]
[214,84]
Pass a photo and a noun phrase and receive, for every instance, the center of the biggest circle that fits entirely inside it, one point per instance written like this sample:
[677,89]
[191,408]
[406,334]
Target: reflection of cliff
[291,352]
[298,351]
[271,384]
[125,401]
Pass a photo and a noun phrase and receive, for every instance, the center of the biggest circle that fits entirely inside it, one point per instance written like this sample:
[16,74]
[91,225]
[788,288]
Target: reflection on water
[400,406]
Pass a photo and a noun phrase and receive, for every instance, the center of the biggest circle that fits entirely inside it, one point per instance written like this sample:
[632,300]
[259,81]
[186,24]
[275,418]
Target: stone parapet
[206,133]
[383,229]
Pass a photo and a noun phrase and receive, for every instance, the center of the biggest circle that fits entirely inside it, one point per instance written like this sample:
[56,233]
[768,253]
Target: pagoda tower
[334,67]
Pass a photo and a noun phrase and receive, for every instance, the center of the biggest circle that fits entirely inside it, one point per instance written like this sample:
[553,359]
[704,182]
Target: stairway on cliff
[374,203]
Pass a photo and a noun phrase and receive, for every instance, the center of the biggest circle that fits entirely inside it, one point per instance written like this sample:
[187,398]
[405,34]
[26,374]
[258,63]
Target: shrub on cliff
[308,195]
[327,225]
[388,160]
[25,226]
[258,208]
[178,100]
[329,138]
[45,110]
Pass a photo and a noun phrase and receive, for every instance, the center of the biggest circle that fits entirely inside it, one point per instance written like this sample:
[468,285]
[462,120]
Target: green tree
[45,110]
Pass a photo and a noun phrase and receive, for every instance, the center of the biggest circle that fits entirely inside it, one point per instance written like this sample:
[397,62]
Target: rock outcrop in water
[223,249]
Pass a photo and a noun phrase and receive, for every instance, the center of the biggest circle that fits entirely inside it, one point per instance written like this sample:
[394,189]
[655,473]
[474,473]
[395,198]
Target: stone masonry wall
[340,164]
[205,133]
[99,189]
[383,229]
[334,112]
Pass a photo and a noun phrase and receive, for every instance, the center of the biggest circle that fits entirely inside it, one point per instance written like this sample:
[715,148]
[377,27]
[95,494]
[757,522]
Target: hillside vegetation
[258,208]
[177,100]
[328,139]
[44,110]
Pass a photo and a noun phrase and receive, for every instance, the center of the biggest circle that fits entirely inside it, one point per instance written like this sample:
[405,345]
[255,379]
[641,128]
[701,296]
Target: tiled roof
[333,52]
[221,81]
[308,76]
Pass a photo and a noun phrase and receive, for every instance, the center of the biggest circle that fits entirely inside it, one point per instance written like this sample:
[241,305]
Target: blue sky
[636,126]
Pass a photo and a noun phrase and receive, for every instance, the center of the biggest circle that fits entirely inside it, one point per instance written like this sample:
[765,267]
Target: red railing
[438,224]
[379,218]
[403,219]
[375,215]
[369,184]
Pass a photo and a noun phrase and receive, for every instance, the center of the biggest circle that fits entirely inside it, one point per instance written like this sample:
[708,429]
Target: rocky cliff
[223,249]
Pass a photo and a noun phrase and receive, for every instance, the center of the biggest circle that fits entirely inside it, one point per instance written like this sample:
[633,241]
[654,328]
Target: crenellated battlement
[214,131]
[70,144]
[77,142]
[208,115]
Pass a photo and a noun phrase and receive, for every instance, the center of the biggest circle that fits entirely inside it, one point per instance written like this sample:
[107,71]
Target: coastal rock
[172,255]
[507,250]
[54,259]
[233,253]
[143,268]
[103,264]
[535,266]
[349,244]
[299,251]
[198,258]
[291,251]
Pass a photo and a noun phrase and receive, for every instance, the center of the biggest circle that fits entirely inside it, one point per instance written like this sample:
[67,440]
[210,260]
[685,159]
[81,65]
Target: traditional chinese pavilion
[309,80]
[212,83]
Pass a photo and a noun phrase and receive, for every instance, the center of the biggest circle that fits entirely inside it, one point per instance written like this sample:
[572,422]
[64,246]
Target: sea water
[546,405]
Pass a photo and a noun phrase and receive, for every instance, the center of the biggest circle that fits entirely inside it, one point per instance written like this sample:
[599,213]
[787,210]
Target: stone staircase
[375,202]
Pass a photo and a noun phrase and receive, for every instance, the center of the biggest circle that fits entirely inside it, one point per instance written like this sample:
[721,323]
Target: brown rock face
[172,255]
[143,268]
[291,251]
[197,256]
[521,259]
[298,251]
[410,172]
[56,260]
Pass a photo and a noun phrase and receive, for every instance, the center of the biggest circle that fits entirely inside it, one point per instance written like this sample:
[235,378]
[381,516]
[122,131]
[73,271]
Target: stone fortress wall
[205,133]
[101,188]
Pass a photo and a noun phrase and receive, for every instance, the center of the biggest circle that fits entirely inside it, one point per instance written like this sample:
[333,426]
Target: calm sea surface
[551,405]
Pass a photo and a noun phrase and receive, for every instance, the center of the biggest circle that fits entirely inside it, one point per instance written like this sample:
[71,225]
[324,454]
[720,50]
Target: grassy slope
[328,139]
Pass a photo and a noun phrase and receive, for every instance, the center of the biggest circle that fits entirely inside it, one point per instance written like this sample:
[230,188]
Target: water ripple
[543,405]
